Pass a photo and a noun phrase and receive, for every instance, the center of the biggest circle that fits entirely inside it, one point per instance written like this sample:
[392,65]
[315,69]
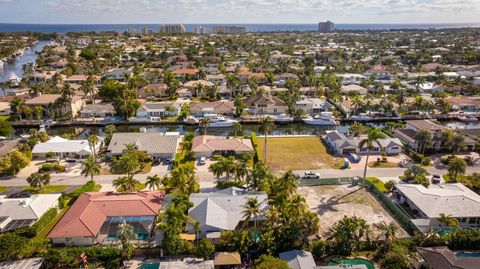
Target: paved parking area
[391,159]
[203,168]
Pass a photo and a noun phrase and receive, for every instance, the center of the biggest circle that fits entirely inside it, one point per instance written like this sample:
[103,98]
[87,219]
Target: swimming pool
[468,254]
[149,266]
[368,263]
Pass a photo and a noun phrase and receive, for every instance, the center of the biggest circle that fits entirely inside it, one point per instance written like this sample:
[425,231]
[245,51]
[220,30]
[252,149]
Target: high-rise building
[171,28]
[225,29]
[147,31]
[199,30]
[326,27]
[131,30]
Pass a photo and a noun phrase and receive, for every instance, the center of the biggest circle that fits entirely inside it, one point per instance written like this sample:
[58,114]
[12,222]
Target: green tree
[347,234]
[6,128]
[18,161]
[373,137]
[90,168]
[424,139]
[92,143]
[17,106]
[38,180]
[126,184]
[266,127]
[236,240]
[125,233]
[269,262]
[153,182]
[389,232]
[455,167]
[205,249]
[252,209]
[237,128]
[204,123]
[448,221]
[109,130]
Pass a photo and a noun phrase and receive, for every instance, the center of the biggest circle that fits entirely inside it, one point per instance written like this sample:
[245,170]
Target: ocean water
[63,28]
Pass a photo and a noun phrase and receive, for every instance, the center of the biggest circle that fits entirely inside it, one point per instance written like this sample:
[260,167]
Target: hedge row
[70,198]
[256,157]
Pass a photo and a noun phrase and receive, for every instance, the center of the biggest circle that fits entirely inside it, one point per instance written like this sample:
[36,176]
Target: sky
[238,11]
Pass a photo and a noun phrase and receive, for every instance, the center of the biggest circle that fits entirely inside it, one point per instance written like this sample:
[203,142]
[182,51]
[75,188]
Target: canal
[16,68]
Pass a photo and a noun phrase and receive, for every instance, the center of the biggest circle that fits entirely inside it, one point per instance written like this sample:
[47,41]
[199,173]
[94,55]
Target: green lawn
[44,232]
[138,187]
[376,164]
[2,189]
[4,117]
[297,153]
[47,189]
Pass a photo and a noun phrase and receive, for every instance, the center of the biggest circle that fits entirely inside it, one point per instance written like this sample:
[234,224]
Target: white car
[311,175]
[202,161]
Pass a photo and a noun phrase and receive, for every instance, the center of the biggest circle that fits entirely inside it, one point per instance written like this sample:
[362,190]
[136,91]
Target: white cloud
[88,5]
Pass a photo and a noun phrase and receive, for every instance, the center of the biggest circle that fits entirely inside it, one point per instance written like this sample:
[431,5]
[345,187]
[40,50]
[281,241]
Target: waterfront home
[341,144]
[221,210]
[346,89]
[352,78]
[298,259]
[102,110]
[153,90]
[5,108]
[118,74]
[185,93]
[42,77]
[209,145]
[156,145]
[442,257]
[155,111]
[95,217]
[185,73]
[312,106]
[464,103]
[262,104]
[452,199]
[16,92]
[16,213]
[216,79]
[225,108]
[407,135]
[64,148]
[79,79]
[49,103]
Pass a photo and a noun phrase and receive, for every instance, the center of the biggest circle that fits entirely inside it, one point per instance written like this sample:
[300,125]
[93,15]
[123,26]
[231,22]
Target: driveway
[391,159]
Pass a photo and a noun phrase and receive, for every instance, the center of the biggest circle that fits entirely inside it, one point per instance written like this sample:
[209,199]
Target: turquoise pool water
[368,263]
[149,266]
[468,254]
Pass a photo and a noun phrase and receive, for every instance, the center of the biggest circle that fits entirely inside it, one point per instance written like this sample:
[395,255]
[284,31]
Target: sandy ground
[332,202]
[391,159]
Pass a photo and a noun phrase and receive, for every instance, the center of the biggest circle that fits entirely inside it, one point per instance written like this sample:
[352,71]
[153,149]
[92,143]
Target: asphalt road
[206,177]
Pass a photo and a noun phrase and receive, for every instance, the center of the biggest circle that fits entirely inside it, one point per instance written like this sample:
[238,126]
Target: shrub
[205,249]
[378,184]
[69,199]
[49,154]
[46,167]
[227,184]
[389,185]
[256,156]
[319,249]
[426,161]
[58,168]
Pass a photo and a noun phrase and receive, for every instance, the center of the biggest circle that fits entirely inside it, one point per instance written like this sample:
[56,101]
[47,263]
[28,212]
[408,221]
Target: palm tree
[67,93]
[266,127]
[184,178]
[196,226]
[153,182]
[237,128]
[456,143]
[92,142]
[38,180]
[242,170]
[289,183]
[252,210]
[17,106]
[90,168]
[125,233]
[216,169]
[126,184]
[389,231]
[228,165]
[424,138]
[448,221]
[455,167]
[373,137]
[357,128]
[204,122]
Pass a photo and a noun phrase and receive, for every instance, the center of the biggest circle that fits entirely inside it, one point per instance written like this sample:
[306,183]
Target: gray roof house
[442,257]
[341,144]
[16,213]
[452,199]
[312,106]
[97,110]
[221,210]
[154,111]
[157,145]
[298,259]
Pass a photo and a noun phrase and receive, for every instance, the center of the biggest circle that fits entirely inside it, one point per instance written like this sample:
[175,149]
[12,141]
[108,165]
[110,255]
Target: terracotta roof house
[185,72]
[444,258]
[48,101]
[208,145]
[266,105]
[95,217]
[155,90]
[226,108]
[464,103]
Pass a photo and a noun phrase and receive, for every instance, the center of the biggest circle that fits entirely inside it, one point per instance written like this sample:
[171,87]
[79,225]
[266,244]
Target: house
[78,79]
[298,259]
[154,111]
[227,259]
[354,88]
[216,79]
[153,90]
[226,108]
[185,93]
[379,72]
[49,102]
[157,145]
[443,257]
[102,110]
[266,105]
[194,83]
[64,148]
[16,213]
[209,145]
[116,74]
[95,216]
[5,109]
[408,134]
[187,263]
[184,73]
[222,210]
[453,199]
[281,79]
[352,78]
[464,103]
[340,144]
[32,263]
[312,106]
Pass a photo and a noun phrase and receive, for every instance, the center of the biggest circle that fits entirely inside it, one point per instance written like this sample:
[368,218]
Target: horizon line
[230,23]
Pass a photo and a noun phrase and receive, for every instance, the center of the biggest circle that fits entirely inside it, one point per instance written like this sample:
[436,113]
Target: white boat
[14,79]
[324,118]
[282,118]
[468,118]
[218,122]
[361,117]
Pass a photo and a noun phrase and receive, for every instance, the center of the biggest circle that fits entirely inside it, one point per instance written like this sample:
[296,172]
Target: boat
[467,118]
[324,118]
[218,122]
[282,118]
[361,117]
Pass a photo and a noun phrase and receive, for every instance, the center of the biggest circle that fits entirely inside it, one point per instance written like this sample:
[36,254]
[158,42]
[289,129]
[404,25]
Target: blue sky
[239,11]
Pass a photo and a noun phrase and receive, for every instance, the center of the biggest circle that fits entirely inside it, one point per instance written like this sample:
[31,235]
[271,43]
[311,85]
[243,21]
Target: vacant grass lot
[297,153]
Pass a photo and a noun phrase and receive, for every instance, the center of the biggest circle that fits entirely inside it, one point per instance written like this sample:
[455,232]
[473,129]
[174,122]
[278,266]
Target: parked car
[202,161]
[436,179]
[297,176]
[311,175]
[167,161]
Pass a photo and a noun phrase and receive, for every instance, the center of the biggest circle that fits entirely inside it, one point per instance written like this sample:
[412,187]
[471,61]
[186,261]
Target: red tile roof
[86,216]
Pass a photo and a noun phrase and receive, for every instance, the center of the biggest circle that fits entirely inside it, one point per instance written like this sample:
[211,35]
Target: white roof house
[158,145]
[64,148]
[342,144]
[22,212]
[298,259]
[450,199]
[222,210]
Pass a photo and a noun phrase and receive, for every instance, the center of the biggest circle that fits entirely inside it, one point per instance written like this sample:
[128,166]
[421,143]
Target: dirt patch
[332,202]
